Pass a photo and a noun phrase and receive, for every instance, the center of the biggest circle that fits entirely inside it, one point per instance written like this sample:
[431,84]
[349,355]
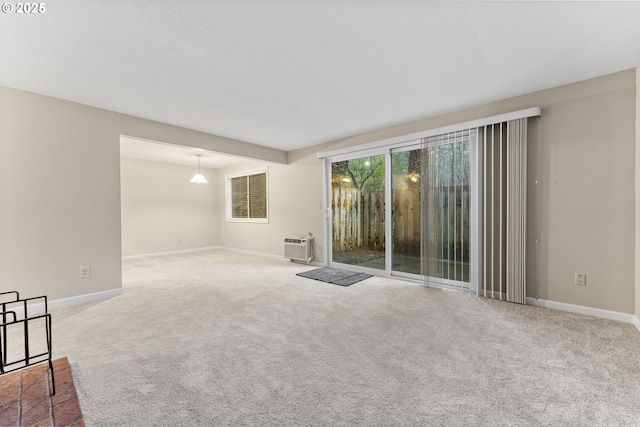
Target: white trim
[361,153]
[228,194]
[388,222]
[326,209]
[212,248]
[65,302]
[246,252]
[256,171]
[587,311]
[249,220]
[79,299]
[636,322]
[403,139]
[266,255]
[182,251]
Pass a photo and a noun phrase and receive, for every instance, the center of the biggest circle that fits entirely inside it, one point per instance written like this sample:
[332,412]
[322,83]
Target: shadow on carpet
[335,276]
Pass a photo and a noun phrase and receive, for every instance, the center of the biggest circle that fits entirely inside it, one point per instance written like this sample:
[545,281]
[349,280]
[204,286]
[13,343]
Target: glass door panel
[358,212]
[405,213]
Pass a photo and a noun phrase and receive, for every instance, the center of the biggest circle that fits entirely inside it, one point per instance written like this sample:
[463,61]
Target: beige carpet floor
[224,339]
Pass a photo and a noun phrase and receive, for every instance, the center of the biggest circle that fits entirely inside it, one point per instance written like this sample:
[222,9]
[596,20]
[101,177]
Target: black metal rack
[14,312]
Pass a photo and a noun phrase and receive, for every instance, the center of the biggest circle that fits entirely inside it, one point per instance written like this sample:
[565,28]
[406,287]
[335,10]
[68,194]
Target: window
[247,196]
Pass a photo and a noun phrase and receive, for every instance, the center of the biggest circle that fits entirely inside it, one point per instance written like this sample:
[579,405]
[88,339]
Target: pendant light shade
[198,178]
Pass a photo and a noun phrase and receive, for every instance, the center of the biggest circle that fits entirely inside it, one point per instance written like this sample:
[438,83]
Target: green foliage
[448,165]
[367,173]
[444,165]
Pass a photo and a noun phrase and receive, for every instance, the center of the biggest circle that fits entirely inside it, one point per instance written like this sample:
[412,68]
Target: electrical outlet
[581,279]
[85,272]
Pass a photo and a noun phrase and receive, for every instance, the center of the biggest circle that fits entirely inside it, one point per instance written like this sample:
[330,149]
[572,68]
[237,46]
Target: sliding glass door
[431,208]
[421,228]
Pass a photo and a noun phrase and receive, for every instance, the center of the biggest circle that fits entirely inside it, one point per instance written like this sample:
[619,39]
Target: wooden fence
[406,224]
[358,220]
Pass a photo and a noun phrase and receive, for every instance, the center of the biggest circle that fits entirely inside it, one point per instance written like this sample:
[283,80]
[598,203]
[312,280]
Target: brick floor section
[25,397]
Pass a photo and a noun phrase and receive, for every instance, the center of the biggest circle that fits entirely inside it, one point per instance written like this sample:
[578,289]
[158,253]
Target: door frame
[328,216]
[388,150]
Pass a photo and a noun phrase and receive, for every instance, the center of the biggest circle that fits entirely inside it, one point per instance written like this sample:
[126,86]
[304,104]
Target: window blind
[239,197]
[257,196]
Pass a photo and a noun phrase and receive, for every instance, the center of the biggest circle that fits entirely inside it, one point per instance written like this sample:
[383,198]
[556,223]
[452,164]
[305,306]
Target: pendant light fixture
[198,178]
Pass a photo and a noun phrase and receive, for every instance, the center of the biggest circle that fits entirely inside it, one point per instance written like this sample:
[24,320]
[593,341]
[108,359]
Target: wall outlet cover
[85,272]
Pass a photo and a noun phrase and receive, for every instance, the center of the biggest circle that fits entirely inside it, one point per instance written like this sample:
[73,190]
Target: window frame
[228,195]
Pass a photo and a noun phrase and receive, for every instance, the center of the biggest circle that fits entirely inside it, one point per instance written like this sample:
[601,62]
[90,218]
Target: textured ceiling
[290,74]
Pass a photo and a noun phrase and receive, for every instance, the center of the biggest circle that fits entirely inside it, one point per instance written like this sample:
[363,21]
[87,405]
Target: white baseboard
[263,254]
[246,252]
[182,251]
[210,248]
[65,302]
[636,322]
[587,311]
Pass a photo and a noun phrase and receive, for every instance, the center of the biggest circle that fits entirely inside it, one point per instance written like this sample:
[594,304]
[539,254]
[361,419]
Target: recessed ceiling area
[154,151]
[292,74]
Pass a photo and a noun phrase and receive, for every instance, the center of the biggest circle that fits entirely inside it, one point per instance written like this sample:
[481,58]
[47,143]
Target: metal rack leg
[53,379]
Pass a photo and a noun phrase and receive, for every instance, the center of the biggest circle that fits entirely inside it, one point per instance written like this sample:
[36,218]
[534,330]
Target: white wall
[162,211]
[60,190]
[637,207]
[582,211]
[295,208]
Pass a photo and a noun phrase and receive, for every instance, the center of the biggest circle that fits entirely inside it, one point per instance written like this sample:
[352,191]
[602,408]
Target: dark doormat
[335,276]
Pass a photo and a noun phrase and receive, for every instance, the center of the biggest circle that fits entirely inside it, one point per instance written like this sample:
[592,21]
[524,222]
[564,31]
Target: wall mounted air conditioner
[298,248]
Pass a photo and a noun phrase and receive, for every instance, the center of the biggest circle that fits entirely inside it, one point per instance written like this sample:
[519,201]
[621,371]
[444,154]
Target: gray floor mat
[335,276]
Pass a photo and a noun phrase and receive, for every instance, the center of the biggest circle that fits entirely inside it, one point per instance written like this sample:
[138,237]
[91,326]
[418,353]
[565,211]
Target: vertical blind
[445,210]
[504,211]
[258,195]
[446,206]
[239,197]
